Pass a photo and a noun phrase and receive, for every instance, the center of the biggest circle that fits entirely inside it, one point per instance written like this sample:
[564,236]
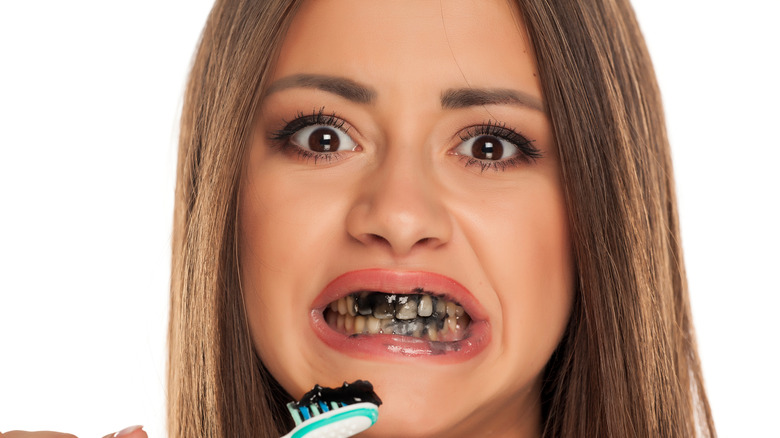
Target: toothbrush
[336,422]
[335,413]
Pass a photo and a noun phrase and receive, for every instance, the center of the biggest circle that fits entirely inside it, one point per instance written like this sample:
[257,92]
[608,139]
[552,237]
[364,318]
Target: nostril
[381,240]
[373,239]
[376,238]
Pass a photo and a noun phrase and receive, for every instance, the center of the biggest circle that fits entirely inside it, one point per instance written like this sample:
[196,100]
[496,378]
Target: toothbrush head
[335,412]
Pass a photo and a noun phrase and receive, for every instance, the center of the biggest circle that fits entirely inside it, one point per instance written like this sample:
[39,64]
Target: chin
[406,418]
[410,410]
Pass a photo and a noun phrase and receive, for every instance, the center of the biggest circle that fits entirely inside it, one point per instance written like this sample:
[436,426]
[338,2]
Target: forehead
[412,46]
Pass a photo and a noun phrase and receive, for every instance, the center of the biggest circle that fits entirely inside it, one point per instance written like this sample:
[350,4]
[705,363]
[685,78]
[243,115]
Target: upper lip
[400,282]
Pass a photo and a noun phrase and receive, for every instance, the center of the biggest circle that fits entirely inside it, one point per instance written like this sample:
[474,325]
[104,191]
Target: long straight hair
[627,365]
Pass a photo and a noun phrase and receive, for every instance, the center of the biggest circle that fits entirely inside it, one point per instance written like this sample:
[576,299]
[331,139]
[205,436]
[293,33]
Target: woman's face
[402,218]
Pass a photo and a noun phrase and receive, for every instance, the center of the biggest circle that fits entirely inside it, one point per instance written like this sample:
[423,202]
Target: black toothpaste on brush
[358,391]
[335,412]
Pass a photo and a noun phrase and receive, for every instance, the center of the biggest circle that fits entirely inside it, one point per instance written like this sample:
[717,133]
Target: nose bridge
[399,205]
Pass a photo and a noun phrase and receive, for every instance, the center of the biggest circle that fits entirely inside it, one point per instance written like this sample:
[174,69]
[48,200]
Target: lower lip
[400,348]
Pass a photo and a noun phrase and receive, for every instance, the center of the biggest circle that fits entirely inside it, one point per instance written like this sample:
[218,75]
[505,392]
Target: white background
[90,93]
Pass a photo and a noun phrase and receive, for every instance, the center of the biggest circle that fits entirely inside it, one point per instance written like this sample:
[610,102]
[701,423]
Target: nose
[399,207]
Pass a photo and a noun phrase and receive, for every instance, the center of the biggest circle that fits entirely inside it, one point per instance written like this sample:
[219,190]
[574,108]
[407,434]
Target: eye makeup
[301,120]
[283,138]
[491,145]
[495,133]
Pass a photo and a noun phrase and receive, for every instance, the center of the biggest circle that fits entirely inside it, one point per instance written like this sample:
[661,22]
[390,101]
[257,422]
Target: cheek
[261,275]
[288,229]
[539,286]
[286,221]
[524,250]
[269,253]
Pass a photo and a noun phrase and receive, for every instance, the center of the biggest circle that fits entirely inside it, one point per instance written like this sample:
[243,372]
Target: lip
[395,347]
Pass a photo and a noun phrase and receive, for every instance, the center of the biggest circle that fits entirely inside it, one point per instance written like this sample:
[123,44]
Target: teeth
[452,324]
[418,314]
[364,304]
[385,325]
[408,328]
[459,311]
[351,305]
[373,325]
[406,308]
[451,308]
[433,333]
[444,328]
[441,307]
[425,308]
[384,310]
[417,329]
[360,324]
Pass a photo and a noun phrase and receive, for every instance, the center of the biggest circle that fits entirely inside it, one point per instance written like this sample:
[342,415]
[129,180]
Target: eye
[322,138]
[316,136]
[495,146]
[488,148]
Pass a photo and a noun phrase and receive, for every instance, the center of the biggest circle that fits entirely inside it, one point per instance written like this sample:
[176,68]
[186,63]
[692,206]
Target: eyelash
[281,137]
[527,152]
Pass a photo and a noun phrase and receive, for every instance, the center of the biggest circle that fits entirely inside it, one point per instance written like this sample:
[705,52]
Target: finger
[39,434]
[129,432]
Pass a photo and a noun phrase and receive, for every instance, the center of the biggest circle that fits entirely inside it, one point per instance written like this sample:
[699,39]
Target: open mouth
[381,314]
[419,314]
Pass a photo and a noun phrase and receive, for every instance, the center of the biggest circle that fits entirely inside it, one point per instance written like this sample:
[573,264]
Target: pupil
[487,147]
[323,140]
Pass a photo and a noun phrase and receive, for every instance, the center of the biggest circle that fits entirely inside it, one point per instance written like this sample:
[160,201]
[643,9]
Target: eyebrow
[452,98]
[466,97]
[343,87]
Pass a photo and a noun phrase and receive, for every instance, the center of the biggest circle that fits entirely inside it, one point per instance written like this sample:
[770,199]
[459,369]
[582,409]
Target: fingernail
[127,431]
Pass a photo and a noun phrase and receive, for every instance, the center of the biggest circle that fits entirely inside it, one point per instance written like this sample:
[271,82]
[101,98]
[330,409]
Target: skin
[130,432]
[405,199]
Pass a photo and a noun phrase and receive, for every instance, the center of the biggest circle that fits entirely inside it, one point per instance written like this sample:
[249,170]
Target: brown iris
[487,147]
[324,140]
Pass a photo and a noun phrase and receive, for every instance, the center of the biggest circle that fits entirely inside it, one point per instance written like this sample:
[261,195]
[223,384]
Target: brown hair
[627,365]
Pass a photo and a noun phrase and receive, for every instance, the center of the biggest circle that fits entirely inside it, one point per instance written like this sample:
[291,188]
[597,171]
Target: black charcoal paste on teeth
[400,313]
[385,306]
[358,391]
